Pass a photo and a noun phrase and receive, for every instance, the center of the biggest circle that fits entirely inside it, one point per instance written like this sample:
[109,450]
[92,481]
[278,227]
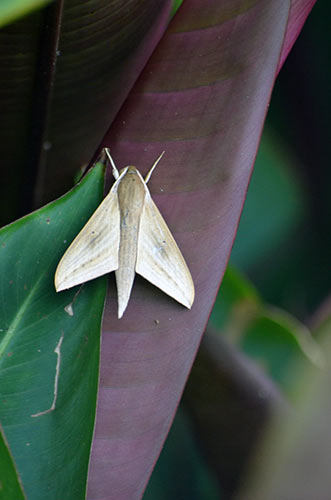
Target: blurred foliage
[274,339]
[295,274]
[293,460]
[283,247]
[10,10]
[181,472]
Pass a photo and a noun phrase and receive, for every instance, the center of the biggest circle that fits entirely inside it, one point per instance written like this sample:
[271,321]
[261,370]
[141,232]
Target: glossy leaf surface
[10,485]
[49,348]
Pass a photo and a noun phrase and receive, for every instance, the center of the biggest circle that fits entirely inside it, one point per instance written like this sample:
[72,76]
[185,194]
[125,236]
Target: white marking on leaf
[57,351]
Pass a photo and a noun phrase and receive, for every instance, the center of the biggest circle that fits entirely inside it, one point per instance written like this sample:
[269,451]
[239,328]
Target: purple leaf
[65,72]
[202,98]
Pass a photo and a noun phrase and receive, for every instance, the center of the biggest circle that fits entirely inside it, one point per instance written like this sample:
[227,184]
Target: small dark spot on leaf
[10,282]
[25,287]
[3,244]
[48,220]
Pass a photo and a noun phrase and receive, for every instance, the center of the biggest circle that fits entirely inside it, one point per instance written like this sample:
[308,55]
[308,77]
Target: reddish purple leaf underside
[202,98]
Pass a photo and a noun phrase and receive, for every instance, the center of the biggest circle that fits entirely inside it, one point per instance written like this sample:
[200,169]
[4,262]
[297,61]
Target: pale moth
[128,235]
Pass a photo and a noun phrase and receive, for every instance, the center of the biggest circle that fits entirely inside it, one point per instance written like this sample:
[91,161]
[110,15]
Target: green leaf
[10,487]
[181,453]
[271,337]
[281,345]
[175,6]
[10,10]
[49,347]
[235,292]
[262,230]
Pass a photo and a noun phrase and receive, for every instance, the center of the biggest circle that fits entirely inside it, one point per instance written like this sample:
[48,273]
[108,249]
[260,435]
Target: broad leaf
[49,348]
[10,486]
[65,72]
[202,98]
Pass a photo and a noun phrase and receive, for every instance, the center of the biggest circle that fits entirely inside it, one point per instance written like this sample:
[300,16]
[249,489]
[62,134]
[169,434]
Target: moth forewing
[159,259]
[94,251]
[127,234]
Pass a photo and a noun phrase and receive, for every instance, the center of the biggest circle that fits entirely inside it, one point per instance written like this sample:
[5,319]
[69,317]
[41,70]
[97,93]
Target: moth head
[131,170]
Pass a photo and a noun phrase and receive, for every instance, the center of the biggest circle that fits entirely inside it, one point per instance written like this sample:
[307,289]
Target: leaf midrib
[18,317]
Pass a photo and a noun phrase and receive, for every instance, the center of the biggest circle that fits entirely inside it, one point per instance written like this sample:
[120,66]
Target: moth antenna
[115,171]
[148,176]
